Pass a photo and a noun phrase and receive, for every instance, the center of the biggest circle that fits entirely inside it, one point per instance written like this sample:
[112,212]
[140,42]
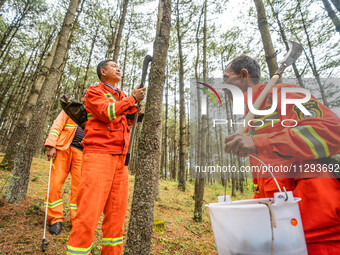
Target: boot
[55,229]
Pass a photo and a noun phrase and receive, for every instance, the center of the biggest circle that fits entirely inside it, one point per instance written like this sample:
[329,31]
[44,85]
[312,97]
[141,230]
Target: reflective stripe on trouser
[65,162]
[103,188]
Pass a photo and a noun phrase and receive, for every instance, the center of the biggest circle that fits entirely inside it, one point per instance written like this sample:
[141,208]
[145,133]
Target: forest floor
[175,232]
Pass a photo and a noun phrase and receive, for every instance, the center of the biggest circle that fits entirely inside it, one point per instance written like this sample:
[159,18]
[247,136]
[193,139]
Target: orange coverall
[316,136]
[68,160]
[104,181]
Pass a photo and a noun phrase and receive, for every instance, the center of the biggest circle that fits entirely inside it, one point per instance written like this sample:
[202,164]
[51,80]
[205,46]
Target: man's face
[111,72]
[230,77]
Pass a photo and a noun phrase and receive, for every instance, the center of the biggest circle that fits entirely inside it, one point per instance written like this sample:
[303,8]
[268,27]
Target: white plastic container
[244,227]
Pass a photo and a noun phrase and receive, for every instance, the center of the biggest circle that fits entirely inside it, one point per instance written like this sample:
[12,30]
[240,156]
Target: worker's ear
[244,73]
[102,71]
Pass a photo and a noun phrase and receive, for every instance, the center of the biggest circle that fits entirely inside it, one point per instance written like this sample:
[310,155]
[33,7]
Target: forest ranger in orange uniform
[104,180]
[64,143]
[314,137]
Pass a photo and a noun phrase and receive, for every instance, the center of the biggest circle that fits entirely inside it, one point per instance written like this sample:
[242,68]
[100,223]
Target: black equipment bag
[75,110]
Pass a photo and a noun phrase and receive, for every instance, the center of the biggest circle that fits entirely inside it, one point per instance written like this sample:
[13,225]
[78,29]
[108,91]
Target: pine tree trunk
[112,42]
[332,15]
[284,38]
[174,162]
[15,102]
[181,170]
[26,116]
[18,185]
[200,183]
[311,61]
[120,31]
[166,130]
[266,39]
[141,219]
[82,90]
[18,22]
[336,3]
[125,60]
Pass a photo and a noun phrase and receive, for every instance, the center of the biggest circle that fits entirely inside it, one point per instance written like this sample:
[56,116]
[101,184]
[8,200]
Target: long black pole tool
[146,62]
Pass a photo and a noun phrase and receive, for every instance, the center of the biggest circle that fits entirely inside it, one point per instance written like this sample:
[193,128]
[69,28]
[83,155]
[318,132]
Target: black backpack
[77,112]
[74,109]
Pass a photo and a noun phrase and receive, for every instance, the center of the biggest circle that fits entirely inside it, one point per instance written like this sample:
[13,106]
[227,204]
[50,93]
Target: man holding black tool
[104,181]
[299,148]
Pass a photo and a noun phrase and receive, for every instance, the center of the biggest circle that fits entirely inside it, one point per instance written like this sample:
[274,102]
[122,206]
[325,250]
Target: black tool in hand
[146,62]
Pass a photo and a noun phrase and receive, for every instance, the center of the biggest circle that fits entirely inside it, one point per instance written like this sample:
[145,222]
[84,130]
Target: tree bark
[336,3]
[22,126]
[174,162]
[284,38]
[18,185]
[94,38]
[266,39]
[332,15]
[181,170]
[200,182]
[147,171]
[120,31]
[166,129]
[311,61]
[125,59]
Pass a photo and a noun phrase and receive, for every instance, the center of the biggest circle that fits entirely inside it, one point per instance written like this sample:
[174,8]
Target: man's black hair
[246,62]
[102,65]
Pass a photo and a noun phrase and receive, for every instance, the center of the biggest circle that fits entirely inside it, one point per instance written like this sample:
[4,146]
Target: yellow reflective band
[270,119]
[271,122]
[322,141]
[74,250]
[112,241]
[310,144]
[110,96]
[274,114]
[73,206]
[318,145]
[111,112]
[54,132]
[54,204]
[70,126]
[89,116]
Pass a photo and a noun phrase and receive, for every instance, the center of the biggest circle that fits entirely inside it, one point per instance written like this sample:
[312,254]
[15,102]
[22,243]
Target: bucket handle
[277,184]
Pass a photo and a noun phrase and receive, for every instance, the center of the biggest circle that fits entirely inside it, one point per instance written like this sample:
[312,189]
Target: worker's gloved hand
[240,145]
[52,153]
[139,94]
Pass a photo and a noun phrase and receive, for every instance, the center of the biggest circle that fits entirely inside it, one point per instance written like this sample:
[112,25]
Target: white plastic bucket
[244,226]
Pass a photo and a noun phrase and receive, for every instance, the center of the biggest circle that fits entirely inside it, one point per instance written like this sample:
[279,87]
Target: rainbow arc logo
[209,93]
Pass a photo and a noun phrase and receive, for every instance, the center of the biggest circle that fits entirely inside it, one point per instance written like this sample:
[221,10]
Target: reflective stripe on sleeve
[74,250]
[111,111]
[270,119]
[110,96]
[112,241]
[54,132]
[70,126]
[54,204]
[73,206]
[89,116]
[317,145]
